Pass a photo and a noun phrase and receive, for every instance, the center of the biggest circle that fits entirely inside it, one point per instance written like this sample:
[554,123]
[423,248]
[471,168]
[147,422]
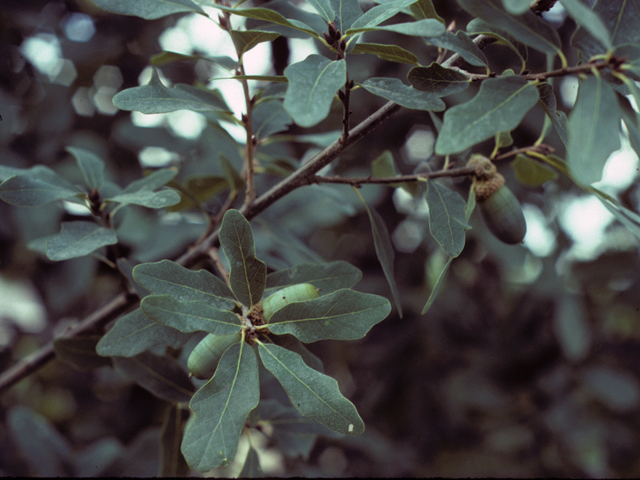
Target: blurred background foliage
[527,364]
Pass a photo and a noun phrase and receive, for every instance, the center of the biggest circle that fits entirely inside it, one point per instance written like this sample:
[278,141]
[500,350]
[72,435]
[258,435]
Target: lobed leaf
[594,130]
[314,394]
[499,106]
[169,278]
[342,315]
[154,97]
[447,218]
[394,90]
[189,316]
[247,276]
[134,333]
[77,239]
[221,407]
[313,84]
[438,80]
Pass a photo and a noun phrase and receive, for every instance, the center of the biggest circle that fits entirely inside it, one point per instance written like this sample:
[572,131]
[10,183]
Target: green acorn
[294,293]
[204,358]
[500,209]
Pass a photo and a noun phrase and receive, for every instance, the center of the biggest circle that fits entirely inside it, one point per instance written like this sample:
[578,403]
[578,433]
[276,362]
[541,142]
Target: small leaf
[527,28]
[312,393]
[499,106]
[146,198]
[35,187]
[172,462]
[80,351]
[152,181]
[447,219]
[134,333]
[587,19]
[531,173]
[326,277]
[428,27]
[424,9]
[247,275]
[341,315]
[391,53]
[169,278]
[162,376]
[251,467]
[164,58]
[462,45]
[379,13]
[504,139]
[594,130]
[394,90]
[245,40]
[436,288]
[437,79]
[189,316]
[313,84]
[91,165]
[221,407]
[323,7]
[154,97]
[550,106]
[502,38]
[77,239]
[148,9]
[384,250]
[268,15]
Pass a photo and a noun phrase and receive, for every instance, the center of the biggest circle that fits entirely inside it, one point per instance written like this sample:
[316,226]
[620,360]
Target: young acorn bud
[204,358]
[293,293]
[500,209]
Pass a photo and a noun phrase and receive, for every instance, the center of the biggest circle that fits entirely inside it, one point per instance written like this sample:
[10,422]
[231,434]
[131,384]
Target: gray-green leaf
[77,239]
[378,14]
[461,44]
[391,53]
[550,106]
[161,199]
[91,165]
[394,90]
[314,394]
[221,407]
[154,97]
[313,84]
[527,28]
[247,275]
[189,316]
[148,9]
[517,7]
[342,315]
[437,79]
[594,130]
[587,19]
[169,278]
[499,106]
[245,40]
[429,27]
[134,333]
[447,219]
[35,187]
[162,376]
[326,277]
